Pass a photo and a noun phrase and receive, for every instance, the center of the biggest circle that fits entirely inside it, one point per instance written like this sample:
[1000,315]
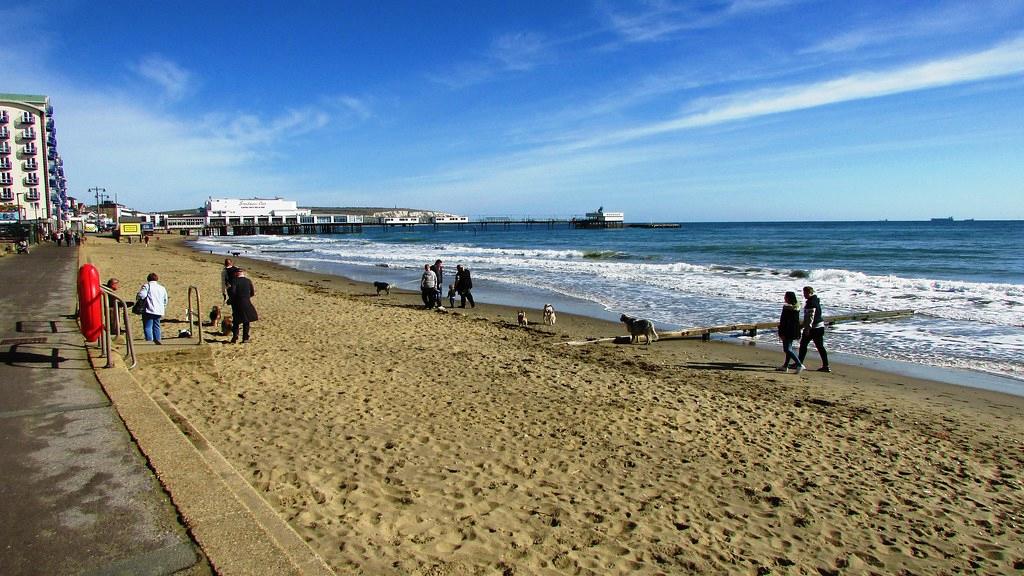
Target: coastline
[510,300]
[400,441]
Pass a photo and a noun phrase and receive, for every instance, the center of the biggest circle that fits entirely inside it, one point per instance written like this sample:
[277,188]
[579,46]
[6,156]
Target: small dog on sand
[384,287]
[226,324]
[214,315]
[549,315]
[639,327]
[521,318]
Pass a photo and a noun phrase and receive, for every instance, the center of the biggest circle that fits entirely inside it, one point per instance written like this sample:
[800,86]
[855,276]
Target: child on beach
[451,295]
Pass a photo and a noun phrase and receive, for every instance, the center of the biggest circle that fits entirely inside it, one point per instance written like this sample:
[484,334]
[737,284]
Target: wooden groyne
[750,329]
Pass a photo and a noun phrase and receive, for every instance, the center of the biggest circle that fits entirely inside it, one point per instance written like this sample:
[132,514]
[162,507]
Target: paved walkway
[76,496]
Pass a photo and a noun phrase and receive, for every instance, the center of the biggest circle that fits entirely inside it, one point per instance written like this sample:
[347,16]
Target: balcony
[4,133]
[28,134]
[30,164]
[29,149]
[49,125]
[32,195]
[6,179]
[5,163]
[32,179]
[28,118]
[5,148]
[4,118]
[6,195]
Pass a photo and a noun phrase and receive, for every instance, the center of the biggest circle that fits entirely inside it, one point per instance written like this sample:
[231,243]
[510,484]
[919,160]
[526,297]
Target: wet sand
[403,441]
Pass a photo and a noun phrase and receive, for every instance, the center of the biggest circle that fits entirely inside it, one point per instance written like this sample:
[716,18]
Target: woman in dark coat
[789,332]
[240,295]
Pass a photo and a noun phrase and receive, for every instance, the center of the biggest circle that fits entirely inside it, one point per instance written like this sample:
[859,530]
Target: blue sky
[688,111]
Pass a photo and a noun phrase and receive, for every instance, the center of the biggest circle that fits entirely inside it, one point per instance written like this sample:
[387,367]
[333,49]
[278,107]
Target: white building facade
[33,188]
[253,208]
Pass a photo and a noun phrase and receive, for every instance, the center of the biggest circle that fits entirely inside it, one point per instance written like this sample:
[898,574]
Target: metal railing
[194,317]
[114,317]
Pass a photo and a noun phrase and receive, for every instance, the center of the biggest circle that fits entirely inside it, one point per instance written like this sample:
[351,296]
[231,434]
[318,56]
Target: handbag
[139,307]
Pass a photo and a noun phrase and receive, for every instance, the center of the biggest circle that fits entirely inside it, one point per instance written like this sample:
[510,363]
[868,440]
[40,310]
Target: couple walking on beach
[433,279]
[812,329]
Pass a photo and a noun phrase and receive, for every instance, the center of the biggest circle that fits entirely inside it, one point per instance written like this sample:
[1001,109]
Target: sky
[731,110]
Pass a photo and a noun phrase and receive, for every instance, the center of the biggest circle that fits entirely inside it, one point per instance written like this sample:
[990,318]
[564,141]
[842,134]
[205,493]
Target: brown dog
[226,324]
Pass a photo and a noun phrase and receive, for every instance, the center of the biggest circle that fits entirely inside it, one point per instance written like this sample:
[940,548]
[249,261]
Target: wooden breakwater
[750,329]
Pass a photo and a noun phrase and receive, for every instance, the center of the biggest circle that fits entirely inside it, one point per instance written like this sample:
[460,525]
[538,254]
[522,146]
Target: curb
[236,529]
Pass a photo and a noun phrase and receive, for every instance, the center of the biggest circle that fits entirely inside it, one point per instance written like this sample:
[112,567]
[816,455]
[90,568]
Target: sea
[963,279]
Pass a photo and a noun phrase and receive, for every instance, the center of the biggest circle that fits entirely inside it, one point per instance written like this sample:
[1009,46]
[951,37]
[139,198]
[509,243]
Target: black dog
[382,287]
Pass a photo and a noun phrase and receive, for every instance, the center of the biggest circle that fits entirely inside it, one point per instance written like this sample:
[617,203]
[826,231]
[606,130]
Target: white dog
[549,315]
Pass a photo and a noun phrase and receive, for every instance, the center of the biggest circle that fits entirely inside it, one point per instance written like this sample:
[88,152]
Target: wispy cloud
[173,80]
[511,52]
[659,20]
[519,51]
[931,20]
[1002,60]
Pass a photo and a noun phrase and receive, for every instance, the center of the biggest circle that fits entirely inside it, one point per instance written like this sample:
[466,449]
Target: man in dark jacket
[813,328]
[240,294]
[464,285]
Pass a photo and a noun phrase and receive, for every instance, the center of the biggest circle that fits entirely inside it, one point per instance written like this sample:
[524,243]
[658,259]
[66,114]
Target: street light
[97,191]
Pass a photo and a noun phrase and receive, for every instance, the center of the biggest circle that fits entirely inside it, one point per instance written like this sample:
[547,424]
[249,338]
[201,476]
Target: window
[28,134]
[32,194]
[31,164]
[4,118]
[28,118]
[6,179]
[32,179]
[6,194]
[4,133]
[29,148]
[5,163]
[5,148]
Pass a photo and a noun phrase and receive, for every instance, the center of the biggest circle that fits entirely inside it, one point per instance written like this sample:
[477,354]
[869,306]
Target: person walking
[155,296]
[464,286]
[428,287]
[115,323]
[813,329]
[227,278]
[789,331]
[438,269]
[242,311]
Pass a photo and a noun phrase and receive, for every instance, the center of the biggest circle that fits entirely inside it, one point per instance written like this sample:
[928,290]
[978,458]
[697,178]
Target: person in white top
[155,296]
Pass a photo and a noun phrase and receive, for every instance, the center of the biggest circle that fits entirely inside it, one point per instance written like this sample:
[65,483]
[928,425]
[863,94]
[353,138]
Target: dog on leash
[549,315]
[384,287]
[638,327]
[225,321]
[521,318]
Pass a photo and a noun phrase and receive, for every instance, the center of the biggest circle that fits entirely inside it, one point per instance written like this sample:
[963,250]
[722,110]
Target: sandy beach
[402,441]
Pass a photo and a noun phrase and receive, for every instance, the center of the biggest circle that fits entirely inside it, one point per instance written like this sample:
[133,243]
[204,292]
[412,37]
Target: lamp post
[97,191]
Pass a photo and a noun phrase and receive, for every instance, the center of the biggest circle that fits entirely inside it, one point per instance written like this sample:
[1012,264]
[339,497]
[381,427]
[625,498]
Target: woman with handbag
[152,299]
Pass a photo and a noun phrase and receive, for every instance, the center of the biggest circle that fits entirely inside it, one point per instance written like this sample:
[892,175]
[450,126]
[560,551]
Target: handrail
[105,342]
[193,315]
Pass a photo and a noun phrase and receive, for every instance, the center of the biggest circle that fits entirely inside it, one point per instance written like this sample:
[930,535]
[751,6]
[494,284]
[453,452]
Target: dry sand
[403,441]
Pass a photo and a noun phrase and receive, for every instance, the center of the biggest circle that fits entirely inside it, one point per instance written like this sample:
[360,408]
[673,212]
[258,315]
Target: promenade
[76,496]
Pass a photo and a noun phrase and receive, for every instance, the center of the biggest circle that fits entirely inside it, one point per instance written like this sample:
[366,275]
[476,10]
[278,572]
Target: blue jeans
[787,347]
[151,326]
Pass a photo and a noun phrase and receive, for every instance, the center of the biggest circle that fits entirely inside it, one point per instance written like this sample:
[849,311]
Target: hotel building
[33,189]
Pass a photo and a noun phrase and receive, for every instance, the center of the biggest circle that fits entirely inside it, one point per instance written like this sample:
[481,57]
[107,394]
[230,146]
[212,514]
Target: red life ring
[90,310]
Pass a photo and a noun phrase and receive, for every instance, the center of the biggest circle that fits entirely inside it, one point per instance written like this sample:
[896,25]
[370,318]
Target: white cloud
[1002,60]
[173,80]
[662,19]
[518,51]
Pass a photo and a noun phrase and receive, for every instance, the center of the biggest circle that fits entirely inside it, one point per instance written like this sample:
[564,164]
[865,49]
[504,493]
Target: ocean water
[964,279]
